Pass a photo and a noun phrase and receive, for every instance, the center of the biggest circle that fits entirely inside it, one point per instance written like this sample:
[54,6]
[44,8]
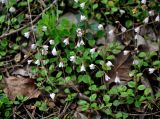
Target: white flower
[109,63]
[135,62]
[92,50]
[143,1]
[146,20]
[44,62]
[37,62]
[76,1]
[151,70]
[52,95]
[54,51]
[44,52]
[3,1]
[137,29]
[61,64]
[125,52]
[29,61]
[44,28]
[117,79]
[51,42]
[82,5]
[66,41]
[122,11]
[82,68]
[100,27]
[107,77]
[12,9]
[45,47]
[33,46]
[78,45]
[83,18]
[157,18]
[79,32]
[81,42]
[111,32]
[73,59]
[123,29]
[26,34]
[92,66]
[151,13]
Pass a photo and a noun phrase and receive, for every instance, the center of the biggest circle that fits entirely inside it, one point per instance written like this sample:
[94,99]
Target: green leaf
[106,98]
[91,42]
[93,97]
[59,74]
[131,84]
[68,70]
[118,115]
[141,87]
[116,103]
[142,55]
[85,79]
[129,23]
[2,19]
[99,74]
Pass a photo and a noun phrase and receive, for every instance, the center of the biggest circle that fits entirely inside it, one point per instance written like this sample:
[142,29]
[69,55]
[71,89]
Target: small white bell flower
[44,28]
[107,78]
[51,42]
[122,11]
[78,45]
[146,20]
[157,19]
[92,66]
[109,64]
[83,18]
[83,68]
[100,27]
[79,32]
[12,9]
[52,95]
[73,59]
[45,47]
[82,5]
[81,42]
[137,29]
[3,1]
[33,46]
[44,52]
[117,79]
[61,64]
[44,62]
[92,50]
[29,61]
[125,52]
[37,62]
[135,62]
[66,41]
[54,51]
[76,1]
[123,29]
[151,13]
[143,1]
[151,70]
[111,32]
[27,34]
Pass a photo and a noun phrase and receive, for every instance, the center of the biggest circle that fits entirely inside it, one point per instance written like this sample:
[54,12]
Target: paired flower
[51,42]
[37,62]
[33,46]
[44,28]
[92,50]
[82,69]
[83,18]
[79,32]
[100,27]
[123,29]
[137,29]
[76,1]
[54,51]
[157,19]
[29,61]
[79,43]
[92,66]
[151,13]
[143,1]
[117,79]
[61,64]
[122,11]
[146,20]
[111,32]
[125,52]
[107,78]
[12,9]
[52,95]
[109,64]
[82,5]
[66,41]
[44,52]
[73,59]
[135,62]
[151,70]
[3,1]
[27,34]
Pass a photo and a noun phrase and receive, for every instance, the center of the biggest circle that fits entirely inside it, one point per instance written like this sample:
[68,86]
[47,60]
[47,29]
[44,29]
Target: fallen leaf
[122,65]
[20,86]
[78,115]
[17,57]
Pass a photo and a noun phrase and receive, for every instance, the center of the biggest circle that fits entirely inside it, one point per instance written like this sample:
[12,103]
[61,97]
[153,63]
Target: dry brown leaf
[122,65]
[17,57]
[20,86]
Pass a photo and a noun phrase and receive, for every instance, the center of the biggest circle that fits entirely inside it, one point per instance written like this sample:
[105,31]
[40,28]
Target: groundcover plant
[79,59]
